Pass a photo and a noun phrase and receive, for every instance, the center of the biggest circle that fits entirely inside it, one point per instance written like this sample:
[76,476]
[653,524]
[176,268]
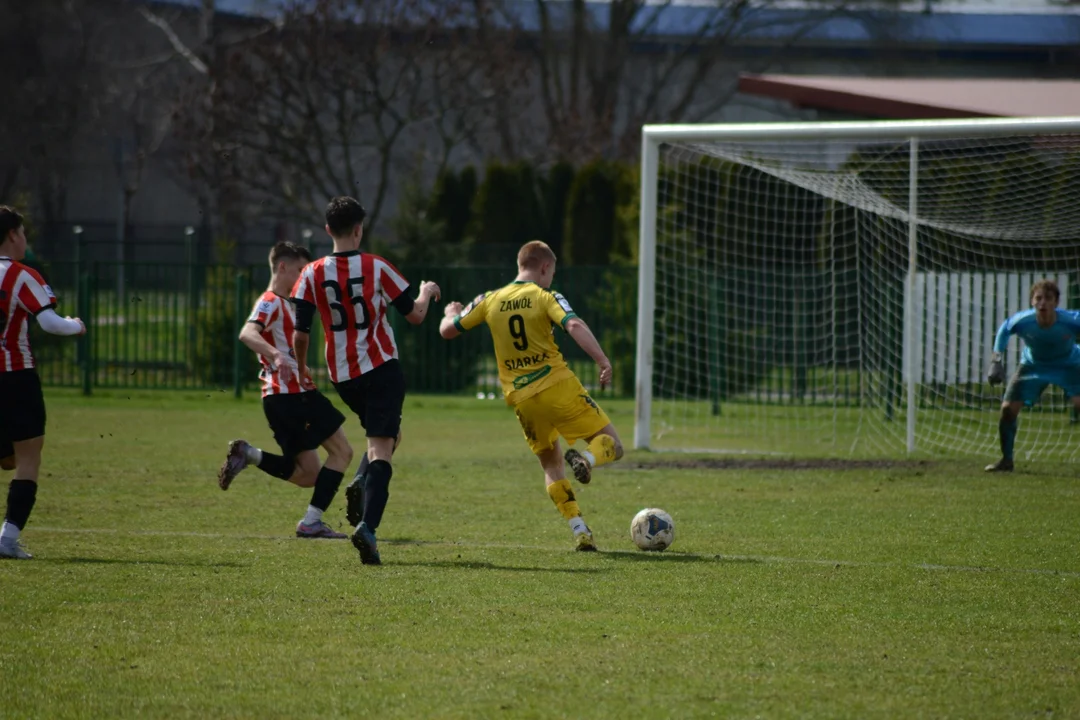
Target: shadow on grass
[475,565]
[677,557]
[123,561]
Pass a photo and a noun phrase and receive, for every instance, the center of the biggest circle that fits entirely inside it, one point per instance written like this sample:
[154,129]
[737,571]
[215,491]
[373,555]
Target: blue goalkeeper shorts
[1028,382]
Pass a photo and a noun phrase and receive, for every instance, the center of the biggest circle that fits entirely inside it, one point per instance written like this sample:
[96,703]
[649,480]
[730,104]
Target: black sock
[376,492]
[359,477]
[1007,433]
[277,465]
[326,487]
[20,501]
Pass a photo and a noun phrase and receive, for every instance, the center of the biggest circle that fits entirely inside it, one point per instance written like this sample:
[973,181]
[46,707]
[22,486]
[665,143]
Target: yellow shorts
[563,409]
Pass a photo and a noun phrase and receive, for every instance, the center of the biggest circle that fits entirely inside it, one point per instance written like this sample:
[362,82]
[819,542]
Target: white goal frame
[653,136]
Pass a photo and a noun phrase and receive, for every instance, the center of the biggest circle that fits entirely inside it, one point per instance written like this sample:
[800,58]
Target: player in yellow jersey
[546,395]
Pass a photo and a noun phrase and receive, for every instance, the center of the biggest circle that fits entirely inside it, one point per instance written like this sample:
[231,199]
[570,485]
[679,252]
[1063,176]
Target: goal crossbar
[859,130]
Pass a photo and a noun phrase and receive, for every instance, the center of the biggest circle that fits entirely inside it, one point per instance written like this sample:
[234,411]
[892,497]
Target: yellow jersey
[522,318]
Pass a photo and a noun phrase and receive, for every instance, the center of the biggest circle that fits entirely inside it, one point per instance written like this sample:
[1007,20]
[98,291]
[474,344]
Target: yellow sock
[563,497]
[602,448]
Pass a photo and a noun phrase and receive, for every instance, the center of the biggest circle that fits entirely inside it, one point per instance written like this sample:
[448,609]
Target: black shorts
[376,397]
[301,421]
[22,408]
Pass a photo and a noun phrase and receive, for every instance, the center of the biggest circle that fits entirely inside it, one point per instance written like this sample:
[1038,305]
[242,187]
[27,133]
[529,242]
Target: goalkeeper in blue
[1050,356]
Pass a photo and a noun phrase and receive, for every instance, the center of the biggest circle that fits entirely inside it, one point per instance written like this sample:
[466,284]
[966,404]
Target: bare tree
[199,44]
[46,52]
[134,107]
[337,97]
[82,78]
[602,70]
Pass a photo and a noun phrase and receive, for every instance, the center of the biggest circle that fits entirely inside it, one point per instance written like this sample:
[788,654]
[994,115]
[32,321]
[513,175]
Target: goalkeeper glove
[996,374]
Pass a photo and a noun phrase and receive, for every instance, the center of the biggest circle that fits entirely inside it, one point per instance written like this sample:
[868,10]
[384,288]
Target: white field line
[722,451]
[546,548]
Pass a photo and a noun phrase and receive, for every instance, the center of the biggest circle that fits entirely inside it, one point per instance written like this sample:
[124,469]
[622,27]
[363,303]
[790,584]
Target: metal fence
[176,325]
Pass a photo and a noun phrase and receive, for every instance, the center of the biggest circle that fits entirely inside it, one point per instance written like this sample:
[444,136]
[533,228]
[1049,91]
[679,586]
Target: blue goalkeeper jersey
[1054,345]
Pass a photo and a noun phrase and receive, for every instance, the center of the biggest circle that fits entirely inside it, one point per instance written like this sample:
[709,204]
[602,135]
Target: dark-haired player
[300,416]
[1050,357]
[23,294]
[351,292]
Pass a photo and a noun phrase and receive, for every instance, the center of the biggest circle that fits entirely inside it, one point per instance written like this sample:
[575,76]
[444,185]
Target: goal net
[835,288]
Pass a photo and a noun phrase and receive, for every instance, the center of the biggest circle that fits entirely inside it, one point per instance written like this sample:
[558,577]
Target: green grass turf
[907,590]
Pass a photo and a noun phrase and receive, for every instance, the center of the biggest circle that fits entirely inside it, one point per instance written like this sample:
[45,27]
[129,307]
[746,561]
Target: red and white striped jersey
[22,293]
[278,318]
[352,292]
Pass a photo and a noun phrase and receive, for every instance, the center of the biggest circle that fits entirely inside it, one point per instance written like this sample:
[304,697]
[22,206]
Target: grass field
[880,590]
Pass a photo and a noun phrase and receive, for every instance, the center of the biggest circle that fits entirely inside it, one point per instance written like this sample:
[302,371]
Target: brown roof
[921,98]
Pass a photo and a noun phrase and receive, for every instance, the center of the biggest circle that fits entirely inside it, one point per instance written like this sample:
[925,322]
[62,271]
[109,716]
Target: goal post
[834,287]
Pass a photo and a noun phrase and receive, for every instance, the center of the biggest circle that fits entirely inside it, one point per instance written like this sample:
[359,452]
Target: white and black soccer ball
[652,529]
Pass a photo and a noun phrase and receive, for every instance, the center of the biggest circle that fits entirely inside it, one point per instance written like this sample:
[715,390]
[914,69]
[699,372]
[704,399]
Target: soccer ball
[652,529]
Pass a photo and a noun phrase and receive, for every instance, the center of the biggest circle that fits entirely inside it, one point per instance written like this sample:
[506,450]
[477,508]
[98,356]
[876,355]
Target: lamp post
[192,303]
